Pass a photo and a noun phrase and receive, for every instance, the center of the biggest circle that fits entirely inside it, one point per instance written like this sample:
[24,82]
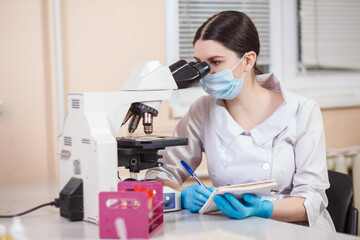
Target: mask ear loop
[239,61]
[244,75]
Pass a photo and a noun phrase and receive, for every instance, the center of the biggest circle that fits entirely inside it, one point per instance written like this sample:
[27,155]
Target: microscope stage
[151,142]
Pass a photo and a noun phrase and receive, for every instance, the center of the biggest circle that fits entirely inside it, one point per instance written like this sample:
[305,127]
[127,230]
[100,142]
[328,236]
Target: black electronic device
[71,200]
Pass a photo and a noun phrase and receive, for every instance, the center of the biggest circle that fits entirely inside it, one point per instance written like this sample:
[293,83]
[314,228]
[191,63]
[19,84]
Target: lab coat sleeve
[191,127]
[311,178]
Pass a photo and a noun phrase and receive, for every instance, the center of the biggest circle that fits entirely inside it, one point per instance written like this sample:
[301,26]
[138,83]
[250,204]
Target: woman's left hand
[252,206]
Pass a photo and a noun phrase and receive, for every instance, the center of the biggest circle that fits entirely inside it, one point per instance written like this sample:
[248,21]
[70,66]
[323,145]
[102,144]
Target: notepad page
[256,188]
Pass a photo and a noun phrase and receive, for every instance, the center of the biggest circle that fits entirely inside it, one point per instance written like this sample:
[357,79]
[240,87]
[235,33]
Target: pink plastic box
[133,208]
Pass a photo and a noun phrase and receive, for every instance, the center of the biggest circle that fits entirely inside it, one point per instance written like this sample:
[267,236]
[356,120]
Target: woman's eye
[215,63]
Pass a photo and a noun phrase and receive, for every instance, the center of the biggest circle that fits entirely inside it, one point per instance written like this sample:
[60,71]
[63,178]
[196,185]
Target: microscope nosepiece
[136,111]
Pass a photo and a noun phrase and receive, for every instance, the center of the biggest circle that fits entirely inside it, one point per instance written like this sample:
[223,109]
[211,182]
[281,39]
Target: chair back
[342,212]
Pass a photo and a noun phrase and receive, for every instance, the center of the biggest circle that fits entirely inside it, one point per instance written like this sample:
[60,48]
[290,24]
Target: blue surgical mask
[222,85]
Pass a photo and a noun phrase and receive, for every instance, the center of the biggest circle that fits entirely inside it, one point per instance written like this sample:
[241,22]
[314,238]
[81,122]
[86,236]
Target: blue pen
[188,168]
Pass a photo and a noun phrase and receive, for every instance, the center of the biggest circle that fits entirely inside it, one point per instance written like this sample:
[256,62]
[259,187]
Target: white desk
[46,223]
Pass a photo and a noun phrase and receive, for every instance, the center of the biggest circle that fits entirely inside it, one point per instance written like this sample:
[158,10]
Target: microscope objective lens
[148,122]
[148,129]
[127,117]
[134,122]
[147,118]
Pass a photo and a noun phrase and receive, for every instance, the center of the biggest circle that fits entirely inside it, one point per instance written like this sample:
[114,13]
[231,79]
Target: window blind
[329,33]
[193,13]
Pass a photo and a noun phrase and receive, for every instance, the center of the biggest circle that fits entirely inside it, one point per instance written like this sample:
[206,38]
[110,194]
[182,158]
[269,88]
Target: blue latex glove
[194,197]
[252,206]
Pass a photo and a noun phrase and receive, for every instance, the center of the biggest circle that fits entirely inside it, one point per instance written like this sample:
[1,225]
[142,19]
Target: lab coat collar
[228,129]
[224,124]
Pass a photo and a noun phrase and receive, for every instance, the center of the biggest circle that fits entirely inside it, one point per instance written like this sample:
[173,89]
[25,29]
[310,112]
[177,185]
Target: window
[329,87]
[329,33]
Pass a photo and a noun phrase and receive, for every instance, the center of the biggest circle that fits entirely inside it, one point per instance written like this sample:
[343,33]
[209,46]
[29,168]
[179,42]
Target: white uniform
[289,147]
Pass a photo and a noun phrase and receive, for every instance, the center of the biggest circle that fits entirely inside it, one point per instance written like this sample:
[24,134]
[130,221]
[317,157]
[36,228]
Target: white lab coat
[289,147]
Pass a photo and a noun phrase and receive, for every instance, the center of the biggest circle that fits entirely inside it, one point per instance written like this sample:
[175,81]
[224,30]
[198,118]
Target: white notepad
[256,188]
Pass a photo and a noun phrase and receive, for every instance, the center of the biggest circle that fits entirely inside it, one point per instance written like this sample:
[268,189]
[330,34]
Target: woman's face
[217,56]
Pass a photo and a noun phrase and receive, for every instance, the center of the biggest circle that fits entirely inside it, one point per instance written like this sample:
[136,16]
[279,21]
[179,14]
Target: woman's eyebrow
[210,58]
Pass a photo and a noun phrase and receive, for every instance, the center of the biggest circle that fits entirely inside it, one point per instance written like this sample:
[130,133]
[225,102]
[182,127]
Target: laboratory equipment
[141,215]
[88,149]
[171,199]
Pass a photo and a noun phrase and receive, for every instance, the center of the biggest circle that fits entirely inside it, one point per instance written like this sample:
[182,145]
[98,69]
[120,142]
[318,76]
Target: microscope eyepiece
[188,74]
[203,68]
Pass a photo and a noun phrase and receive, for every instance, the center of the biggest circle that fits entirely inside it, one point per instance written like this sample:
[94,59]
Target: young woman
[251,129]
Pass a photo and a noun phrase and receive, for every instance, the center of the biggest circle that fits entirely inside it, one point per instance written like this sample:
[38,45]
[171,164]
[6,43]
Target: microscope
[89,153]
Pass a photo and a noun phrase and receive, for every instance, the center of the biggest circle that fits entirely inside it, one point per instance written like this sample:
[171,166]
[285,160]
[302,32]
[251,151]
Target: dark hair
[232,29]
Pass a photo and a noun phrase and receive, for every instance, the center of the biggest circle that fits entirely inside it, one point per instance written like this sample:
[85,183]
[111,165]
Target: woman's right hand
[195,196]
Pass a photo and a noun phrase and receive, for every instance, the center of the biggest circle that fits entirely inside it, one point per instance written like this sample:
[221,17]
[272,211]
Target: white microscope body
[87,144]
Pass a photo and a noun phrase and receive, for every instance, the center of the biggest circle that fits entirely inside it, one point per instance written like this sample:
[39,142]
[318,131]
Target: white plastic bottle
[17,230]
